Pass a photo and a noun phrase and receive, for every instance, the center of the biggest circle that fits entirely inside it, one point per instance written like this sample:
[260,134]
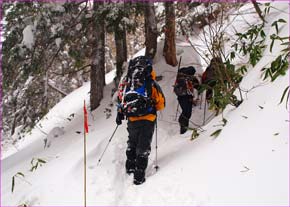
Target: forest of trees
[50,49]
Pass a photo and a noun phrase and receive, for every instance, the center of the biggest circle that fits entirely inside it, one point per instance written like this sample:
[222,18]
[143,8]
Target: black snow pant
[186,105]
[139,147]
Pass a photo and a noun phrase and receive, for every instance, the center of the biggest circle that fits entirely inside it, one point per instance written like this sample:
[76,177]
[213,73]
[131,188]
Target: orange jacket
[159,100]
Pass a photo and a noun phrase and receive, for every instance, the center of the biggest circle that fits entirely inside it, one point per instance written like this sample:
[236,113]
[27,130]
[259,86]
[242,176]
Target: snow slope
[247,164]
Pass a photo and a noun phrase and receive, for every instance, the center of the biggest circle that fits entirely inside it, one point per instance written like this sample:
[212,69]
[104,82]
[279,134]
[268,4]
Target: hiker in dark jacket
[214,73]
[140,129]
[184,89]
[211,75]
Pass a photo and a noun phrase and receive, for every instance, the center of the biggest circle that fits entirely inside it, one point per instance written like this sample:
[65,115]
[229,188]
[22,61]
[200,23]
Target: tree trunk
[102,50]
[150,30]
[97,58]
[121,50]
[125,51]
[169,50]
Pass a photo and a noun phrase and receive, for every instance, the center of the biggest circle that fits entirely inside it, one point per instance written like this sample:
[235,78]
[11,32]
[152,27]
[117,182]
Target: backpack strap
[159,90]
[149,84]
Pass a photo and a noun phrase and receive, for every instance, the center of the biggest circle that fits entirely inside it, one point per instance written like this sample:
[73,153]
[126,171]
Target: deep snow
[247,164]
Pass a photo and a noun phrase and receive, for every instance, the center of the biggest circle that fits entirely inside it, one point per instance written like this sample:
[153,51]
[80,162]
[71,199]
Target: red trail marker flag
[86,130]
[86,126]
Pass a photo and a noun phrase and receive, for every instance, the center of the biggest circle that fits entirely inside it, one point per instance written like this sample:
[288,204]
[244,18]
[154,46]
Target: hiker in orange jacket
[140,97]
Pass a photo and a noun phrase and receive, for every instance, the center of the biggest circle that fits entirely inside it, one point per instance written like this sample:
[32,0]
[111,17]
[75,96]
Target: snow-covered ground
[247,164]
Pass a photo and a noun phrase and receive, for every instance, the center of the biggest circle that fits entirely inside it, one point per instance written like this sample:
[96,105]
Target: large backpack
[185,81]
[213,72]
[136,88]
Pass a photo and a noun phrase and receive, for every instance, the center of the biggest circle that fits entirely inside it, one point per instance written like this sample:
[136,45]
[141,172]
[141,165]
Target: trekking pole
[176,79]
[86,130]
[204,111]
[107,145]
[201,97]
[240,93]
[156,146]
[176,112]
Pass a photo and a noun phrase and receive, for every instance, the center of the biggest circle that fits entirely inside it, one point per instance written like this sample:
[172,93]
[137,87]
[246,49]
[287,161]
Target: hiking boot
[183,129]
[237,103]
[130,166]
[136,182]
[139,177]
[130,171]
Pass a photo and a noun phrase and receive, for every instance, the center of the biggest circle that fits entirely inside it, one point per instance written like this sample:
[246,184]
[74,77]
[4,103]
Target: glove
[119,118]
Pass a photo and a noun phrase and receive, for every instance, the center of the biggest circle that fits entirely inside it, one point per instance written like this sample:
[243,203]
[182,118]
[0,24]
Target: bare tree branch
[74,71]
[55,88]
[258,10]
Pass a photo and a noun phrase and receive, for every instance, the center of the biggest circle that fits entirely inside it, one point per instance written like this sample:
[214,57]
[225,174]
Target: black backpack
[185,81]
[136,88]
